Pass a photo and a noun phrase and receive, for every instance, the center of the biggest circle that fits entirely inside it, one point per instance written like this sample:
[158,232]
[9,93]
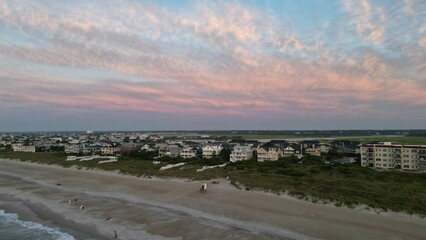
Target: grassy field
[363,139]
[310,179]
[393,139]
[348,185]
[252,136]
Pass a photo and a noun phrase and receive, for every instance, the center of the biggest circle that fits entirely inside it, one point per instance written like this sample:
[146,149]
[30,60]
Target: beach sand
[142,208]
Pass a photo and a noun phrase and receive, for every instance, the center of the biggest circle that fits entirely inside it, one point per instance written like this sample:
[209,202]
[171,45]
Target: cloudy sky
[147,65]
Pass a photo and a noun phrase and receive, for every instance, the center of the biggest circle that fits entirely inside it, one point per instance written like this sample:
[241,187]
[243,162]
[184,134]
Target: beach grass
[311,179]
[348,185]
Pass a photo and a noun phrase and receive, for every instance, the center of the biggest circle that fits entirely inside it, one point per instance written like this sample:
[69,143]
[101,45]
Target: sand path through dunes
[157,208]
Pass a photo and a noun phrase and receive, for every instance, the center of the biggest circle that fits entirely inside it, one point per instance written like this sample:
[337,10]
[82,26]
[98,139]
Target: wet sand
[143,208]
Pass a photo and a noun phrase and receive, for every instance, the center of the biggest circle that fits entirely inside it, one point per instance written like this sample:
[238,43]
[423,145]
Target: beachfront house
[23,148]
[109,150]
[324,148]
[210,151]
[293,149]
[313,151]
[190,152]
[95,148]
[169,150]
[73,148]
[269,152]
[241,153]
[149,147]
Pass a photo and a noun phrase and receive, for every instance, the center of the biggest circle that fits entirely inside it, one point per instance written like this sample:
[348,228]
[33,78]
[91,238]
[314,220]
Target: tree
[224,154]
[254,156]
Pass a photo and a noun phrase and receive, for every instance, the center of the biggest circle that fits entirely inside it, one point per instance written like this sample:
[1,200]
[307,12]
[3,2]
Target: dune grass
[312,179]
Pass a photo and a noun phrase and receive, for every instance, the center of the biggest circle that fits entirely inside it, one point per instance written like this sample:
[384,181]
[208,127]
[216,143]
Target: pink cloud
[232,73]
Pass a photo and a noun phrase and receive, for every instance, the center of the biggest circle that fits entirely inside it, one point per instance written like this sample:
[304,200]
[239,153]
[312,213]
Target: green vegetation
[252,136]
[397,139]
[393,139]
[349,185]
[309,178]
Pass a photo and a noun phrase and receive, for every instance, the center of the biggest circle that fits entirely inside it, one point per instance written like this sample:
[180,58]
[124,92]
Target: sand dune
[175,209]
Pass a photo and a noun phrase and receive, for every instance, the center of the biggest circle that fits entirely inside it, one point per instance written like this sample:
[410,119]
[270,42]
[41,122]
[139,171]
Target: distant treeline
[322,133]
[301,133]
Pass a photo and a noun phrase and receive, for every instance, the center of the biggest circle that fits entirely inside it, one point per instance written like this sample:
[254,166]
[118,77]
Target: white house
[324,148]
[288,151]
[149,147]
[293,149]
[73,148]
[189,152]
[241,153]
[210,151]
[23,148]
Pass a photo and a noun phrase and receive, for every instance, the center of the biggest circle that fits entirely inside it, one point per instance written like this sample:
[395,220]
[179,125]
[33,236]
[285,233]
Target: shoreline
[241,187]
[38,213]
[173,208]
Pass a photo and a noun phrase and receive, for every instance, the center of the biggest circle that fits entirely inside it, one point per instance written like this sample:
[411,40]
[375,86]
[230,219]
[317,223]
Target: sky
[212,65]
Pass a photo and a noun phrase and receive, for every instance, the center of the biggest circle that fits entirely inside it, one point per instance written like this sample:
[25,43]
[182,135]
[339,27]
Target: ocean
[12,228]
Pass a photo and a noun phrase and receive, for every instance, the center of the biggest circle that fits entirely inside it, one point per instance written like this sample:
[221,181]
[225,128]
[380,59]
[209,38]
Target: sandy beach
[141,208]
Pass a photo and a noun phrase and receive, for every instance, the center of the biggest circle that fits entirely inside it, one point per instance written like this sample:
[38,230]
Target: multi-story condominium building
[23,148]
[269,153]
[390,156]
[210,151]
[189,152]
[241,153]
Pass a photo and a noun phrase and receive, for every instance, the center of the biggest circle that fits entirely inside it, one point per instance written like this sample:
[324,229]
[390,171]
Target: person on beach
[203,187]
[115,235]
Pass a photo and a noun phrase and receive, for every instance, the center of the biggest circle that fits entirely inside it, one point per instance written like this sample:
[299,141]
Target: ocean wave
[12,218]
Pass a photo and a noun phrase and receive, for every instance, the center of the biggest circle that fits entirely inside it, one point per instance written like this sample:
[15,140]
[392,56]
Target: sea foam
[12,221]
